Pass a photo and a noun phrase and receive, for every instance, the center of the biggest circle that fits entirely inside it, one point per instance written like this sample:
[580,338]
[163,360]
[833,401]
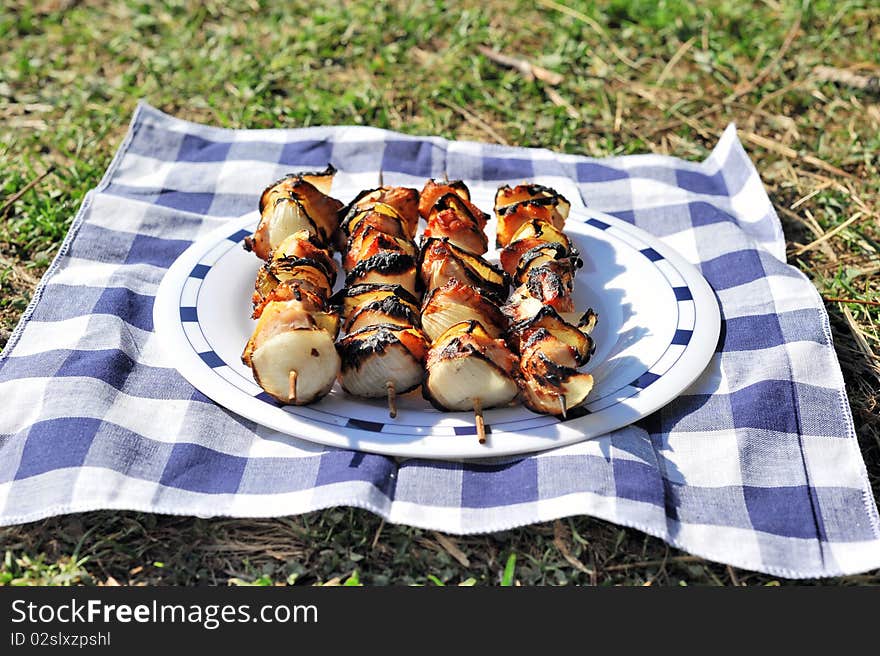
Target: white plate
[658,328]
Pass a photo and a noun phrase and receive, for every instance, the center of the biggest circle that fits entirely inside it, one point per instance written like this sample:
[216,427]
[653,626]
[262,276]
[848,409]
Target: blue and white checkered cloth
[756,465]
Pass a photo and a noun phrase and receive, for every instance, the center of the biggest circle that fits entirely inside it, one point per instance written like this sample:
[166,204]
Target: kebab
[291,352]
[469,366]
[384,349]
[551,339]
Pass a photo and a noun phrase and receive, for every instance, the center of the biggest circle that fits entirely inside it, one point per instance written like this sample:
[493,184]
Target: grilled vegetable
[456,302]
[385,268]
[551,256]
[355,296]
[298,366]
[543,231]
[293,204]
[390,310]
[403,201]
[557,392]
[467,369]
[441,260]
[282,316]
[378,355]
[384,217]
[291,352]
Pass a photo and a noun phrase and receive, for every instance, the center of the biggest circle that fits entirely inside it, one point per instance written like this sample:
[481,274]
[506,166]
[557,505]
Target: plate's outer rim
[690,365]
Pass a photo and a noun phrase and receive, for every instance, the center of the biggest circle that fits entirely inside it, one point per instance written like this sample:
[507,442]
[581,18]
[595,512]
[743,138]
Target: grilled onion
[309,352]
[293,204]
[441,260]
[466,367]
[385,268]
[355,296]
[376,355]
[456,302]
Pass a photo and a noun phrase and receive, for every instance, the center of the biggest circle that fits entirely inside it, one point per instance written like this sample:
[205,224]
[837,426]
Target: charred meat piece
[387,268]
[433,191]
[441,260]
[300,246]
[456,302]
[460,232]
[378,355]
[305,269]
[512,217]
[404,201]
[289,290]
[371,241]
[467,368]
[293,204]
[549,320]
[506,196]
[552,256]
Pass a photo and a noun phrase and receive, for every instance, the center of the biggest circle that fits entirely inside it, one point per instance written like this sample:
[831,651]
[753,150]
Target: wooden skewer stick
[445,176]
[562,405]
[478,416]
[292,391]
[392,399]
[381,178]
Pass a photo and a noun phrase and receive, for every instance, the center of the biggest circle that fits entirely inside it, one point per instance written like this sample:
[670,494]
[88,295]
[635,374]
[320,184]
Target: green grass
[71,73]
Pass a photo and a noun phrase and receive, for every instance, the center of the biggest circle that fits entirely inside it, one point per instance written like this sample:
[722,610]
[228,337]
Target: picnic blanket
[755,465]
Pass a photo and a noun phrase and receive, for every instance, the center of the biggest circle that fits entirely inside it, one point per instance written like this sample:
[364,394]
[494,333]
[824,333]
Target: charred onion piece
[376,355]
[468,369]
[388,310]
[293,204]
[282,316]
[385,268]
[550,256]
[441,260]
[351,298]
[549,320]
[292,350]
[457,302]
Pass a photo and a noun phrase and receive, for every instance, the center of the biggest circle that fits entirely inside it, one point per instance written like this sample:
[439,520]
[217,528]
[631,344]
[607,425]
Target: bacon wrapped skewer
[551,339]
[291,352]
[384,350]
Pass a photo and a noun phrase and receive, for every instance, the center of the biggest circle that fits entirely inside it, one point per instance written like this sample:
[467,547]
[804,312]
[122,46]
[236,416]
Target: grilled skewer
[468,366]
[551,339]
[291,351]
[384,350]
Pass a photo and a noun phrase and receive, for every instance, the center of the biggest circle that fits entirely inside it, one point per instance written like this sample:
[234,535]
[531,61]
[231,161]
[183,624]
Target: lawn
[634,76]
